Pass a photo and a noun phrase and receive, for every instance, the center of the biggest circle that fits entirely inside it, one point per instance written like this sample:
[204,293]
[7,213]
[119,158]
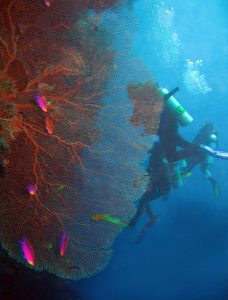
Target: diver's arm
[181,142]
[189,149]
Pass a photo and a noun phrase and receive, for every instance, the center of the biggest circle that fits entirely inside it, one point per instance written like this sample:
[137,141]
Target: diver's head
[208,126]
[209,129]
[210,132]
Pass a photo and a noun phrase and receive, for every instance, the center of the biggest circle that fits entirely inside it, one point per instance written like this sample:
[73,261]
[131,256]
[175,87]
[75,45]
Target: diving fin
[145,229]
[143,232]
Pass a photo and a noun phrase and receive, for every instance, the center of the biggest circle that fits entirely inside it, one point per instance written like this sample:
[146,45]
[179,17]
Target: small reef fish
[49,124]
[61,187]
[99,217]
[63,243]
[31,189]
[48,3]
[49,246]
[108,218]
[28,251]
[41,101]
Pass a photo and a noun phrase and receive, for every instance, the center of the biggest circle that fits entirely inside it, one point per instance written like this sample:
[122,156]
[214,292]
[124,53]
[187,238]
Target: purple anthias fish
[27,251]
[31,189]
[41,101]
[63,243]
[48,3]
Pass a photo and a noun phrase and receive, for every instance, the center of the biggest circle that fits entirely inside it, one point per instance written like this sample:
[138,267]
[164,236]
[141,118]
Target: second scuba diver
[208,136]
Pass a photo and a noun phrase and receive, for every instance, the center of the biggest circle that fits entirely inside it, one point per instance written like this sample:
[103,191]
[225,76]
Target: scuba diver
[208,137]
[164,153]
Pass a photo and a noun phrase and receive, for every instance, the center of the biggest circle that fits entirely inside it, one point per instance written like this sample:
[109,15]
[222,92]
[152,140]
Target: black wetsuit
[200,157]
[163,152]
[170,138]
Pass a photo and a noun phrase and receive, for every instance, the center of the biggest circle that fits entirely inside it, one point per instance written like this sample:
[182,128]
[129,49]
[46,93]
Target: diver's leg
[151,215]
[146,198]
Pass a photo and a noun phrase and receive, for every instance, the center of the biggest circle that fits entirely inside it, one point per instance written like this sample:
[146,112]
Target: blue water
[185,256]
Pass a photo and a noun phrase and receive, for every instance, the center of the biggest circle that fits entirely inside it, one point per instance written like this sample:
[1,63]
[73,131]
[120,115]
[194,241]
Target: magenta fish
[28,251]
[48,3]
[41,101]
[63,243]
[31,189]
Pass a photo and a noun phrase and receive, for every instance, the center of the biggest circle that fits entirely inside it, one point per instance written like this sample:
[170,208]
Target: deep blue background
[185,256]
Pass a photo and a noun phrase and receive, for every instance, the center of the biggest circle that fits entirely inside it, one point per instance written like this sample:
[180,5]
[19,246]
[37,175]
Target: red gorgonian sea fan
[52,78]
[148,104]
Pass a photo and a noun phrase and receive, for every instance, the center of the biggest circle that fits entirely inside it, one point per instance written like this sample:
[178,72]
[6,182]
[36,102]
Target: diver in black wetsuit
[170,139]
[164,152]
[208,136]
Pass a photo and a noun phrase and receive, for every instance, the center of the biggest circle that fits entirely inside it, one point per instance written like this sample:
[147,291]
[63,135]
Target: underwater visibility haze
[82,97]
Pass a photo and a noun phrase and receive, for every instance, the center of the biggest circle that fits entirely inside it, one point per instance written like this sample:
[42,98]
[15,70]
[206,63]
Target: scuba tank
[184,118]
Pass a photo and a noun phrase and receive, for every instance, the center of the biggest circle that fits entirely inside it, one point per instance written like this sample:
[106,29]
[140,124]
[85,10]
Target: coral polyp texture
[148,104]
[55,171]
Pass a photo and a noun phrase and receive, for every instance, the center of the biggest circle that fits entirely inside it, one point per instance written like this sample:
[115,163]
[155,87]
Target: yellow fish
[108,218]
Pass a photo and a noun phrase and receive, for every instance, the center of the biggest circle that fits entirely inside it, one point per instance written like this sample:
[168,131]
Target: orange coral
[147,106]
[38,55]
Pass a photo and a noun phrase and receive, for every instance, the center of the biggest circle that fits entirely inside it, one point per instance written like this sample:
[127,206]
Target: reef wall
[62,158]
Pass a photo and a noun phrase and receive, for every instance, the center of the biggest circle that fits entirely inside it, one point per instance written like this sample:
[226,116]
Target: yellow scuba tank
[184,118]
